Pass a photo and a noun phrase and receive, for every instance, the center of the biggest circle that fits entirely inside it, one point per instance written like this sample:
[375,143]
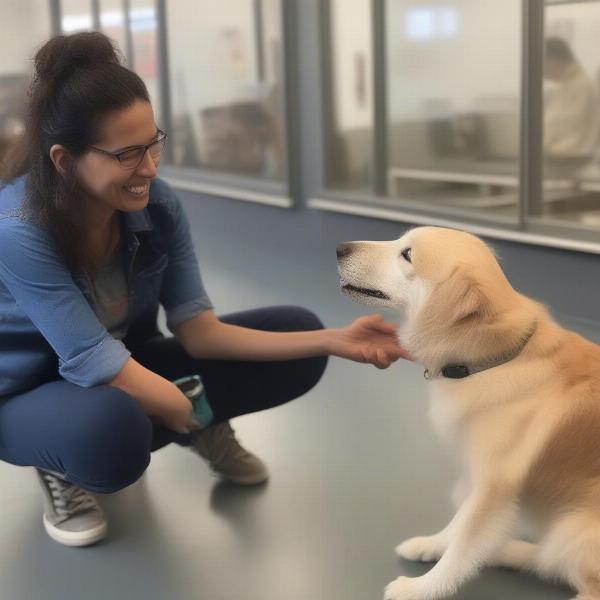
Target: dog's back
[566,473]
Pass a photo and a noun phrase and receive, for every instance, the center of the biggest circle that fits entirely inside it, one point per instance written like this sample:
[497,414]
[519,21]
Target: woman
[90,244]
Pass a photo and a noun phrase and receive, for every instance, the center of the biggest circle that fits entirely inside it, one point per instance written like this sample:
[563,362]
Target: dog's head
[402,274]
[438,278]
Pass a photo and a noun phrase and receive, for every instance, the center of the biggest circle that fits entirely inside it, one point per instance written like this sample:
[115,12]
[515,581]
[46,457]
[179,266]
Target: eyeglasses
[131,158]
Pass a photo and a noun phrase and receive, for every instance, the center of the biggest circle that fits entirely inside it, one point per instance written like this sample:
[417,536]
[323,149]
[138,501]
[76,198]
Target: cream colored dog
[517,392]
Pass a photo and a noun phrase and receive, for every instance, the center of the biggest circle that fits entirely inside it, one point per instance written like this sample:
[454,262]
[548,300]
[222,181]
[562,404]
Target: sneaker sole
[75,538]
[245,480]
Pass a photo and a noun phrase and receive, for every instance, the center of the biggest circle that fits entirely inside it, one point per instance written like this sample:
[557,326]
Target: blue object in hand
[193,389]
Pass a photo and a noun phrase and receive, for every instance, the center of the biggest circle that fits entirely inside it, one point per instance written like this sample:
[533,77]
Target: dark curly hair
[78,80]
[556,48]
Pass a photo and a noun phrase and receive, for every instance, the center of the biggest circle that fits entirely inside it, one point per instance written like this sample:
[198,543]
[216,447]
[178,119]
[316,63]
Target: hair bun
[66,52]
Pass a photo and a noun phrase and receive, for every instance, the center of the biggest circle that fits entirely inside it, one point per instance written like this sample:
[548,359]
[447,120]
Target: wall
[197,78]
[19,16]
[474,57]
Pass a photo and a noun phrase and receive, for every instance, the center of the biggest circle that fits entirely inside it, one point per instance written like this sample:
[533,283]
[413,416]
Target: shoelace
[218,442]
[68,499]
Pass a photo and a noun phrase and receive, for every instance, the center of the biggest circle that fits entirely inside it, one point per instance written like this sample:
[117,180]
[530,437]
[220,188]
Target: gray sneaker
[71,515]
[218,445]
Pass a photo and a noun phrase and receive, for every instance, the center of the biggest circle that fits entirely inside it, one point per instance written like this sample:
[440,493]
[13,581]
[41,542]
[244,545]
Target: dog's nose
[343,250]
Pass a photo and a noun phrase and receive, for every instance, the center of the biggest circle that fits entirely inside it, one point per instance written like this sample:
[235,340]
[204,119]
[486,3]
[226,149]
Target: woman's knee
[111,447]
[302,319]
[313,371]
[314,367]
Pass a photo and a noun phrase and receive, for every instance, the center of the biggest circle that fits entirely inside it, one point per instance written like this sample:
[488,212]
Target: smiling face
[107,184]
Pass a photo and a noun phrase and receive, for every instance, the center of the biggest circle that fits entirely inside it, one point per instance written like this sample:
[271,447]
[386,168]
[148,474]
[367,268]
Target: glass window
[453,85]
[350,137]
[226,85]
[571,121]
[112,23]
[143,22]
[75,15]
[139,50]
[16,17]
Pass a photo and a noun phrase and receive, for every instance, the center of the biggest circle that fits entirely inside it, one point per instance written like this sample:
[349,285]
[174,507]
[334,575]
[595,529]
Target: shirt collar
[138,221]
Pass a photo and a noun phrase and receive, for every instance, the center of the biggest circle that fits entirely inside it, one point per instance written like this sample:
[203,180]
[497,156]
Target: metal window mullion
[562,2]
[96,15]
[259,40]
[379,163]
[291,108]
[329,129]
[163,74]
[531,118]
[128,34]
[55,14]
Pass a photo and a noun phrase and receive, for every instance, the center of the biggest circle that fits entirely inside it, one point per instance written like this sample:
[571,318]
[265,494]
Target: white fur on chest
[443,412]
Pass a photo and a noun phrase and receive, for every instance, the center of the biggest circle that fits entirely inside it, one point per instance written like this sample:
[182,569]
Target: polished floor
[355,470]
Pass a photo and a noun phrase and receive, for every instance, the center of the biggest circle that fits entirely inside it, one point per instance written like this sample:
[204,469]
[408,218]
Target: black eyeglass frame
[160,139]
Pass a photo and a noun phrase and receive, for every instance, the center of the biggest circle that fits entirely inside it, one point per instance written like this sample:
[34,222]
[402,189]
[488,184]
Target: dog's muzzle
[364,291]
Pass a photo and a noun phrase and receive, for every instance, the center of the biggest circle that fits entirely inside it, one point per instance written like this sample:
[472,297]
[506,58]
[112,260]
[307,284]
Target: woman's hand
[368,339]
[178,414]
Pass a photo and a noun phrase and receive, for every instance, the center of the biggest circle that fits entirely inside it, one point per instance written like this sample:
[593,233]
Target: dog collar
[462,371]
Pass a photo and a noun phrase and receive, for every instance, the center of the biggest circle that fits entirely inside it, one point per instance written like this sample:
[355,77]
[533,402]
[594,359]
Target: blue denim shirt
[47,318]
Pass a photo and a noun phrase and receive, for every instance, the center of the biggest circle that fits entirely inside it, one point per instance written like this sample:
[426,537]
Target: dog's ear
[461,297]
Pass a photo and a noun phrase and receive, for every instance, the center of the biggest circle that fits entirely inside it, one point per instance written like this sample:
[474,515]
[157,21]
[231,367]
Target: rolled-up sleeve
[44,289]
[183,295]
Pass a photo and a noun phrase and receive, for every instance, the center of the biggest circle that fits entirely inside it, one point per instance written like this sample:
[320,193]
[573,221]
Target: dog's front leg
[426,548]
[481,526]
[431,547]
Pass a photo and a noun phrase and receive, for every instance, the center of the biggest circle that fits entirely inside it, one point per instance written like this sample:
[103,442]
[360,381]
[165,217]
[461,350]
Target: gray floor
[355,470]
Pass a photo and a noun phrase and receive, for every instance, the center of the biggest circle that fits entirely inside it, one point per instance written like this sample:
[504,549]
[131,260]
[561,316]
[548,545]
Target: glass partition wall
[227,87]
[16,17]
[473,110]
[571,117]
[215,74]
[461,111]
[453,76]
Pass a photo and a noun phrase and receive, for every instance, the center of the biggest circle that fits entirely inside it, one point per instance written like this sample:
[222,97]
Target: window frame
[228,184]
[527,228]
[221,183]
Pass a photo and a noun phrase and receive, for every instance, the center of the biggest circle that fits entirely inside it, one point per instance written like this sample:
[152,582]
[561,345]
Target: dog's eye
[407,254]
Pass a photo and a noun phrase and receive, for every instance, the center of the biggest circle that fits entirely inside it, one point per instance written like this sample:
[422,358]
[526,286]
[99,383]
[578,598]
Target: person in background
[571,105]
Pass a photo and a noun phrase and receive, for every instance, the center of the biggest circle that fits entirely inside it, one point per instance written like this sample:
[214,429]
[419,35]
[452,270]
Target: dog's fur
[529,429]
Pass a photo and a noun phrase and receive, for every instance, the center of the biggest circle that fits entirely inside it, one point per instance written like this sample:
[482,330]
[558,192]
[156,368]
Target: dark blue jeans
[101,439]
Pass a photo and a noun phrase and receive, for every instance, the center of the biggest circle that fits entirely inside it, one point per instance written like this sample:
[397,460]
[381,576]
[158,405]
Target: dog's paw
[403,588]
[423,549]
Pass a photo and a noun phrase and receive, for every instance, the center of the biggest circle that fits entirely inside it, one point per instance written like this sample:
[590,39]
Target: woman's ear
[60,158]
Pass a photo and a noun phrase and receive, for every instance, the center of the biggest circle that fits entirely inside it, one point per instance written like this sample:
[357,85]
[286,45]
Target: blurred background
[470,110]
